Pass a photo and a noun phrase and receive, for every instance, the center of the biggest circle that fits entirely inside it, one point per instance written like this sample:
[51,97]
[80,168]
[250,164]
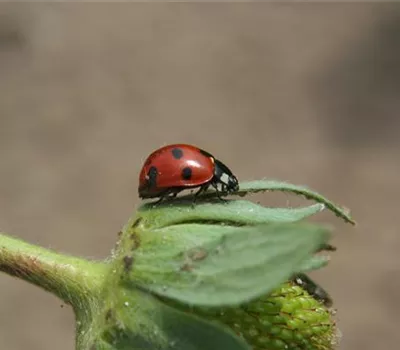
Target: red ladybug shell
[176,166]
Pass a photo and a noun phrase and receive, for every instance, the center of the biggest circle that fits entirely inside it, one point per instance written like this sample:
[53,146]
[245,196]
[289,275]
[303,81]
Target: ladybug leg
[165,196]
[160,200]
[201,190]
[223,188]
[218,192]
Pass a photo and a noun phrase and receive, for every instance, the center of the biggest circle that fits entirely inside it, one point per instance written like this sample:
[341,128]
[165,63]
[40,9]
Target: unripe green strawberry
[290,318]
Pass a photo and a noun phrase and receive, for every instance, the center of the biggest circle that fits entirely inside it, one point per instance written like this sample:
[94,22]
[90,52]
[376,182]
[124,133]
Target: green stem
[70,278]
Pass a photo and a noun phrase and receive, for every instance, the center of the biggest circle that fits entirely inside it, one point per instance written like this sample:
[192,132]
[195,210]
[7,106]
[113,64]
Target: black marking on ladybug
[205,153]
[152,177]
[177,153]
[225,176]
[137,222]
[128,262]
[186,173]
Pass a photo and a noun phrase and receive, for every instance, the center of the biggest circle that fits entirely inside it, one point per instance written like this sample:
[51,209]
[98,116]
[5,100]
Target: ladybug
[177,167]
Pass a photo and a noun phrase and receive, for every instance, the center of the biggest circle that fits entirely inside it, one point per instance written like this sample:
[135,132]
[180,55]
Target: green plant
[211,276]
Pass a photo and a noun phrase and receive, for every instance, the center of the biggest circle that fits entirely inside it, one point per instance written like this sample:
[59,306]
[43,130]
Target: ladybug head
[225,176]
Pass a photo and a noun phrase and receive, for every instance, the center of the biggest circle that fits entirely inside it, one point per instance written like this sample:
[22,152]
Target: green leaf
[238,212]
[264,185]
[272,185]
[230,266]
[313,263]
[133,320]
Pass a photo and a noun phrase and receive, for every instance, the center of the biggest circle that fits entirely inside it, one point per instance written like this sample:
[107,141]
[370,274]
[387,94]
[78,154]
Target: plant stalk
[70,278]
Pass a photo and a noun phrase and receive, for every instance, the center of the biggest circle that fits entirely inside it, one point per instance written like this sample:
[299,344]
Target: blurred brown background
[306,93]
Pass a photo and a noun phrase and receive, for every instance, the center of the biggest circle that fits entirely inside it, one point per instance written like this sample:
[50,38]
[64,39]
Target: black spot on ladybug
[177,153]
[186,173]
[128,262]
[137,222]
[205,153]
[152,176]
